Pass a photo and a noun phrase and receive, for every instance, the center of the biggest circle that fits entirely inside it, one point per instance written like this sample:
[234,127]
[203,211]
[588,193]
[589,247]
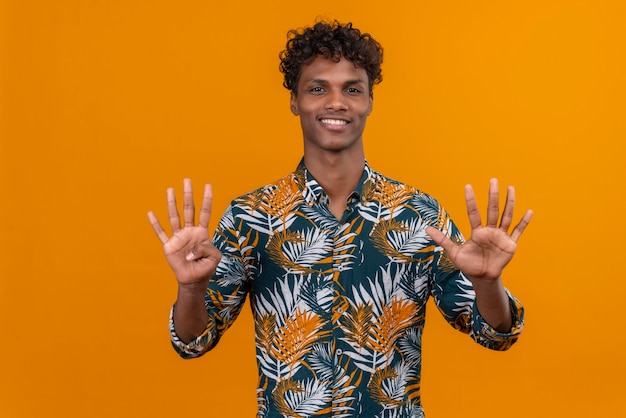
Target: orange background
[106,103]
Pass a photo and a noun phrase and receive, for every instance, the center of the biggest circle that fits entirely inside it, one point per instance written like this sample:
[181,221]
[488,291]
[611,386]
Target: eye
[316,89]
[353,90]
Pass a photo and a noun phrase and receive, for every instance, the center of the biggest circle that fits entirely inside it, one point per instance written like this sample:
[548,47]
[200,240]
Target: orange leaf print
[291,341]
[395,318]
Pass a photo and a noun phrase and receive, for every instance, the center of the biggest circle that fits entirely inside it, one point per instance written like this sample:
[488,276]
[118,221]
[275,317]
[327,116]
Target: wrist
[493,304]
[487,285]
[192,289]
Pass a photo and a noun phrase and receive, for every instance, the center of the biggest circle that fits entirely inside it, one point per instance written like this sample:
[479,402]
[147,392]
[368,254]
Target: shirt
[339,305]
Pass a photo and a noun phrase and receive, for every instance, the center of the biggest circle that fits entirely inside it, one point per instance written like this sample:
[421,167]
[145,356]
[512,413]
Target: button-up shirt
[339,305]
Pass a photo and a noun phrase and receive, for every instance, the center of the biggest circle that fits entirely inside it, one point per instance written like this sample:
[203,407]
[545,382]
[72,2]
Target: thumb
[436,235]
[192,255]
[203,250]
[441,239]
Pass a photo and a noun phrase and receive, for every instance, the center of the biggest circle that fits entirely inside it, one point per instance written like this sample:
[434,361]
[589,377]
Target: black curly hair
[332,40]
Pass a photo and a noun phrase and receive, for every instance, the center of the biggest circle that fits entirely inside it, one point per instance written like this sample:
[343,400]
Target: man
[339,261]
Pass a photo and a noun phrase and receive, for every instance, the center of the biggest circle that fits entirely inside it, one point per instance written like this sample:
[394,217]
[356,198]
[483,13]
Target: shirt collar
[312,192]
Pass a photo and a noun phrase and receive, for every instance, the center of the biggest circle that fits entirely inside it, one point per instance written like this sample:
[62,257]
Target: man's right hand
[189,251]
[192,256]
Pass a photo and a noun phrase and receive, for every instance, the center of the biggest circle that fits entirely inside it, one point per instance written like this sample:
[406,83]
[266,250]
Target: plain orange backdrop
[106,103]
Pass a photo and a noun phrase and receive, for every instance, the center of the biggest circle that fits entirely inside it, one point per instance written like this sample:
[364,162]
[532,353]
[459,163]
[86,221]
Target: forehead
[324,69]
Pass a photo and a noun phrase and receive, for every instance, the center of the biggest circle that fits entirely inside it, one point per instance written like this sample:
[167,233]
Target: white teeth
[334,121]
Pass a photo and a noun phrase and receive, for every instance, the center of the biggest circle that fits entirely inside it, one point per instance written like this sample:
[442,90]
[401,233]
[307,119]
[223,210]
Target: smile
[334,121]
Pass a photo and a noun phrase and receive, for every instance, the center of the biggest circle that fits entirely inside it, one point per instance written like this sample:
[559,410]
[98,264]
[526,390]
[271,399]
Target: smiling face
[333,103]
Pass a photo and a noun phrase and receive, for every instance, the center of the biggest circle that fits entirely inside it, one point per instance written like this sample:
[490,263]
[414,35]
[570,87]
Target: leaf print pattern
[264,326]
[301,399]
[410,346]
[297,251]
[401,241]
[389,385]
[317,294]
[389,326]
[393,195]
[357,324]
[339,306]
[292,340]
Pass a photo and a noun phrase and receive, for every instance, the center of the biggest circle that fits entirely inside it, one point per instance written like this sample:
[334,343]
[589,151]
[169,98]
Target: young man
[337,259]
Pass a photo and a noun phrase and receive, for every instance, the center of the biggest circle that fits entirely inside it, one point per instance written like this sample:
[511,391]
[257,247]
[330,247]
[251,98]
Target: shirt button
[340,310]
[339,351]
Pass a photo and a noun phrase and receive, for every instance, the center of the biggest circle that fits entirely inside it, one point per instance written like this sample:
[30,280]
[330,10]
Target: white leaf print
[275,369]
[411,239]
[283,300]
[310,250]
[312,399]
[265,223]
[374,212]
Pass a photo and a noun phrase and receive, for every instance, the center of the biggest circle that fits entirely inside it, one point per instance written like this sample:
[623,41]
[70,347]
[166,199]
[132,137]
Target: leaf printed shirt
[338,305]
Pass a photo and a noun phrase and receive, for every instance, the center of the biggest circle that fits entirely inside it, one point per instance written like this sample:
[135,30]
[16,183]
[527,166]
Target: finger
[493,208]
[204,250]
[472,209]
[205,210]
[189,210]
[521,226]
[192,254]
[435,234]
[441,239]
[172,210]
[507,213]
[157,228]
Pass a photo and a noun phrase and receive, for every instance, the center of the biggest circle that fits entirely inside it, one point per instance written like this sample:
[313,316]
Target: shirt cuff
[489,337]
[198,346]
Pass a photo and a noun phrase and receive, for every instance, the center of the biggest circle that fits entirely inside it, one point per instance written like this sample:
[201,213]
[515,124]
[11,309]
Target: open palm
[490,247]
[189,251]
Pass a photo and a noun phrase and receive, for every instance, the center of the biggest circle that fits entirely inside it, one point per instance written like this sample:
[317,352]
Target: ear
[293,105]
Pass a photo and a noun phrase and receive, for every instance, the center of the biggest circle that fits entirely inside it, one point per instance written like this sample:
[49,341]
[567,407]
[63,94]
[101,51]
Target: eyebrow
[347,82]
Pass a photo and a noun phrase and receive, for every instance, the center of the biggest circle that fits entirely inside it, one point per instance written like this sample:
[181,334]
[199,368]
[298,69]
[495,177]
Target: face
[333,103]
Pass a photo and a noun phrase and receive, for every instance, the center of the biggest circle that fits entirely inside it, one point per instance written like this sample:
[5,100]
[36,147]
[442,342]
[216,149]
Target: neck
[338,174]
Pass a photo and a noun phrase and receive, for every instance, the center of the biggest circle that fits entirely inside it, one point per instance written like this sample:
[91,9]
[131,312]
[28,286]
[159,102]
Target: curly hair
[331,40]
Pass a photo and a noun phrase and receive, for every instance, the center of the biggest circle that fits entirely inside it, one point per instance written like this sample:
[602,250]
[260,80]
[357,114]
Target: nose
[336,100]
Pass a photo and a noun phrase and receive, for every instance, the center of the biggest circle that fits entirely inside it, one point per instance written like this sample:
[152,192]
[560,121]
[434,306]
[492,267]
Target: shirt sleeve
[486,335]
[196,347]
[226,293]
[455,298]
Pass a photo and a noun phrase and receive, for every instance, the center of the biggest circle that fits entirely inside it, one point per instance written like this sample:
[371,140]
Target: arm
[483,257]
[192,257]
